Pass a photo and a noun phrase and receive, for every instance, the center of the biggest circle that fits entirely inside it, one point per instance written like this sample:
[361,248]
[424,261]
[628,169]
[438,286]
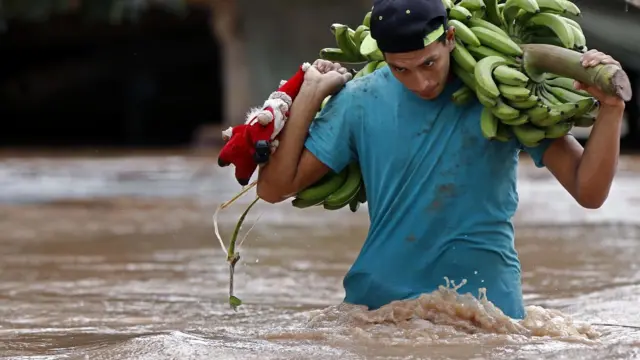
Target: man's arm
[292,167]
[587,173]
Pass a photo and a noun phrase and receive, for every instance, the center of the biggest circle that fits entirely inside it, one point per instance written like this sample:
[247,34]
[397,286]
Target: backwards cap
[405,25]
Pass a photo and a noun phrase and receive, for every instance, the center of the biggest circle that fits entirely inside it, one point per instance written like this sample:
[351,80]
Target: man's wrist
[615,110]
[311,93]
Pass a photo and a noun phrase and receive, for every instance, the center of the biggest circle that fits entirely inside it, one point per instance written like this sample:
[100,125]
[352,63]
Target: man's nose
[423,82]
[426,83]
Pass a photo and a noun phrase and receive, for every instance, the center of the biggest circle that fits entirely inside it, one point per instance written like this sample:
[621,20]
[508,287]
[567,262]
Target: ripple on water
[119,277]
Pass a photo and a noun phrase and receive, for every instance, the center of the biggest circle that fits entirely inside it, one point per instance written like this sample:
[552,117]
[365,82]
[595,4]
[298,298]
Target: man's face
[424,71]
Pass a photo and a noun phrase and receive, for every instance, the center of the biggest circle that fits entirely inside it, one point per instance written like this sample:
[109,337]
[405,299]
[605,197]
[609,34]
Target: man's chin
[428,96]
[431,95]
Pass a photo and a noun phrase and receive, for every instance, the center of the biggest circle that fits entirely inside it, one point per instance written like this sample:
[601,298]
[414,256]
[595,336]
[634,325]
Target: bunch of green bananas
[519,100]
[487,58]
[348,50]
[335,191]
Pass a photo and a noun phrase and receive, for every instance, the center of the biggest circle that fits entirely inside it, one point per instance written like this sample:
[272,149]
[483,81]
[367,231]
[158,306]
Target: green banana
[478,22]
[512,7]
[553,118]
[504,133]
[348,191]
[462,56]
[325,187]
[345,42]
[528,135]
[584,121]
[367,19]
[463,33]
[585,105]
[563,94]
[481,52]
[549,40]
[448,4]
[522,119]
[488,124]
[372,53]
[381,64]
[497,41]
[339,56]
[367,69]
[465,76]
[460,13]
[514,93]
[483,73]
[303,204]
[358,37]
[555,24]
[572,8]
[566,84]
[509,76]
[462,96]
[503,111]
[484,99]
[572,22]
[494,16]
[580,41]
[551,5]
[558,130]
[354,204]
[472,5]
[546,97]
[526,104]
[538,113]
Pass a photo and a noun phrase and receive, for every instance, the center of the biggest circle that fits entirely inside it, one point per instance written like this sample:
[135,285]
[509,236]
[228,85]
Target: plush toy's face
[239,152]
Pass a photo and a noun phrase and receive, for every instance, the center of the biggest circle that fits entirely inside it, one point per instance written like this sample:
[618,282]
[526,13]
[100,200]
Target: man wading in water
[441,196]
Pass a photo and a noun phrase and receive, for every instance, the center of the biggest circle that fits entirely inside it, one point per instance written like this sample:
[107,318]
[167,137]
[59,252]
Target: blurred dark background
[172,73]
[76,79]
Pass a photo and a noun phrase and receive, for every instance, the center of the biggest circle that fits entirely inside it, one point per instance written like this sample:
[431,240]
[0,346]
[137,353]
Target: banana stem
[224,206]
[542,58]
[231,252]
[233,257]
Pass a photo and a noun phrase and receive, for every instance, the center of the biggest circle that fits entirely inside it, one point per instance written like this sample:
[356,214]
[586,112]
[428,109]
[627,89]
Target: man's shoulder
[369,84]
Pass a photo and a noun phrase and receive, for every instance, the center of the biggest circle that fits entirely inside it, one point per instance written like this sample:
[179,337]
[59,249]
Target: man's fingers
[610,61]
[322,65]
[335,66]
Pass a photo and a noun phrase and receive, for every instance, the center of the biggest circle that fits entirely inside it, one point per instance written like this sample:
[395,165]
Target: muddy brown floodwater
[114,257]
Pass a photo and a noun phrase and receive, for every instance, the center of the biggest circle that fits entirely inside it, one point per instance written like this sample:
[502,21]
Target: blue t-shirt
[440,196]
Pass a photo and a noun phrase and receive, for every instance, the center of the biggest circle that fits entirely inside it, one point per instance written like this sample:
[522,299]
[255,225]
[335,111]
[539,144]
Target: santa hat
[288,90]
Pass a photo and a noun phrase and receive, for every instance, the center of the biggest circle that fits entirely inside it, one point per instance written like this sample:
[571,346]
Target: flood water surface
[116,258]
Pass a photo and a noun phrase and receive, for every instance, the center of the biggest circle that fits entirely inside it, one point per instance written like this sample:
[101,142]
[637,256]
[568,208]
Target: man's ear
[451,38]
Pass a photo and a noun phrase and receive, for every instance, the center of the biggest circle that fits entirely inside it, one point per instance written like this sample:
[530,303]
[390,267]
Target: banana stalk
[233,257]
[541,58]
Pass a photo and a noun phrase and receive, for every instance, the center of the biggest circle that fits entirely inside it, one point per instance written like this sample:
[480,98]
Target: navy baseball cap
[405,25]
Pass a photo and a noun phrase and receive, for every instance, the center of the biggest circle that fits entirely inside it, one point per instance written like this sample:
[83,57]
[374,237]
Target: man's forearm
[600,158]
[281,170]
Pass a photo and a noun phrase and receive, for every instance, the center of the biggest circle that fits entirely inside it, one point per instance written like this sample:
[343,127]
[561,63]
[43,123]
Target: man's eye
[429,63]
[398,69]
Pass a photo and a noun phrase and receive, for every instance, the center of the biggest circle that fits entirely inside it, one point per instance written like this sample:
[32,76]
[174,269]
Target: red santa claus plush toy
[250,144]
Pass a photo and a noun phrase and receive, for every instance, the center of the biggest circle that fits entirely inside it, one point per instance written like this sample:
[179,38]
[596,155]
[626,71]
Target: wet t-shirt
[440,196]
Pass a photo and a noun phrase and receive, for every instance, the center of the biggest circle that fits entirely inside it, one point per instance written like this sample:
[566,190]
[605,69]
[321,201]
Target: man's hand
[326,77]
[593,58]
